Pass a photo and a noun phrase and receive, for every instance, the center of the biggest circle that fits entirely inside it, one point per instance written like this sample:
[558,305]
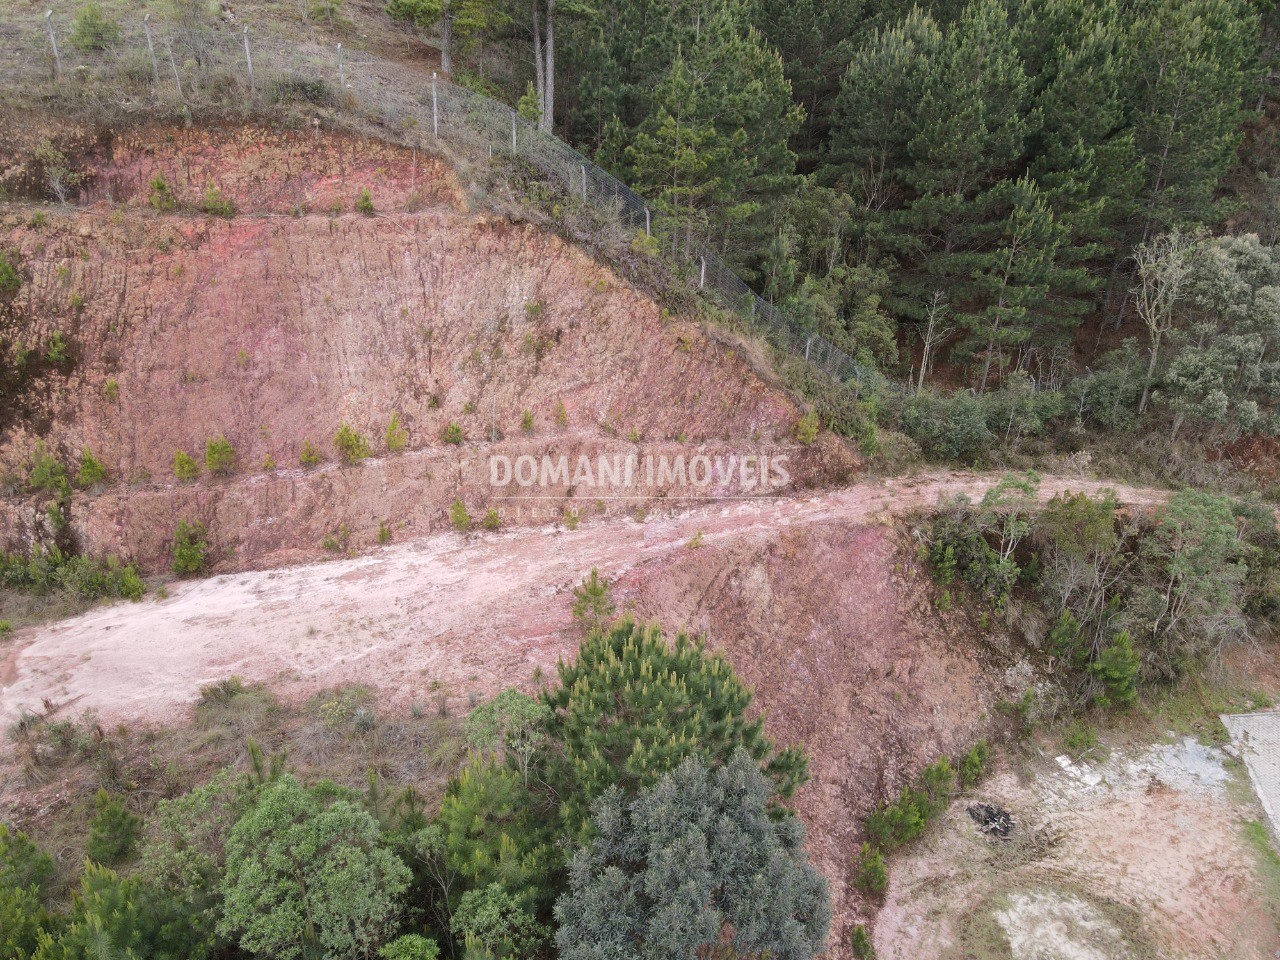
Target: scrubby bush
[219,456]
[395,436]
[526,421]
[492,519]
[861,945]
[352,447]
[161,193]
[310,455]
[870,875]
[113,831]
[364,202]
[189,548]
[905,818]
[593,605]
[215,204]
[93,29]
[459,516]
[807,428]
[92,470]
[10,278]
[184,466]
[452,434]
[52,570]
[411,946]
[973,764]
[45,473]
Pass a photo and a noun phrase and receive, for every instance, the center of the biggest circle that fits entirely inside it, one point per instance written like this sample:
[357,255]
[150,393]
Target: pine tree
[632,706]
[1192,66]
[113,831]
[1117,669]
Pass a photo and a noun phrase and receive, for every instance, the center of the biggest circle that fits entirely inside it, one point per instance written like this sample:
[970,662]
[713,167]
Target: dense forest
[1071,198]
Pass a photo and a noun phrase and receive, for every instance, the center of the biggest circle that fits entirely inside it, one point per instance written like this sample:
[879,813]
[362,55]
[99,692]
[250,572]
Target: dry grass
[61,759]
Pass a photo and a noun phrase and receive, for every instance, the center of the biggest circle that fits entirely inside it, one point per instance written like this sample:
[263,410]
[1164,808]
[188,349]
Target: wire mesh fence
[152,67]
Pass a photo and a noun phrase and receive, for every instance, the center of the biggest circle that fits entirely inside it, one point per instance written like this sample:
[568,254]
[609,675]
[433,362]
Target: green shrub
[526,421]
[452,434]
[807,428]
[905,818]
[49,571]
[189,548]
[338,541]
[219,456]
[6,628]
[411,946]
[185,466]
[113,831]
[861,945]
[214,203]
[92,470]
[492,519]
[310,455]
[562,415]
[593,605]
[45,473]
[458,515]
[352,447]
[10,278]
[973,764]
[396,437]
[870,875]
[161,193]
[364,202]
[111,390]
[1117,668]
[572,518]
[92,29]
[58,350]
[1080,739]
[384,532]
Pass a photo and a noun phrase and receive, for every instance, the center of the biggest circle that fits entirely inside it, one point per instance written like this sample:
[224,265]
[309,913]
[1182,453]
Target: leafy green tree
[308,874]
[498,922]
[633,706]
[1188,601]
[512,724]
[694,861]
[113,831]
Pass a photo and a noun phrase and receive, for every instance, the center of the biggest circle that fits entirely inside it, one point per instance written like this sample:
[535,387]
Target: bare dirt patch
[1141,856]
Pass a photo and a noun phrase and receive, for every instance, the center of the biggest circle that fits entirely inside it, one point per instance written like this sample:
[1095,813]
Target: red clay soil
[821,610]
[272,329]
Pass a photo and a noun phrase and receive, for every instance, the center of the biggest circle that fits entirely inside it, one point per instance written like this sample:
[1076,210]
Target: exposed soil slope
[274,326]
[818,606]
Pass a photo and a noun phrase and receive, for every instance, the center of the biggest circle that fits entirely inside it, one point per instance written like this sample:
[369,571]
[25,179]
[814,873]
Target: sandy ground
[1140,856]
[463,615]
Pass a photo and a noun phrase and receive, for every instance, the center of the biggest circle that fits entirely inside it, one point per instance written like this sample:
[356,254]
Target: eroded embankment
[273,326]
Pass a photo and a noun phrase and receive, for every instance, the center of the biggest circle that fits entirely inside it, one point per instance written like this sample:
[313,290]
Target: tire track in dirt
[462,615]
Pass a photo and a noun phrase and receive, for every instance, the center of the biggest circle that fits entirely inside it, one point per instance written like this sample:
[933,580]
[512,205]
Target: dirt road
[445,616]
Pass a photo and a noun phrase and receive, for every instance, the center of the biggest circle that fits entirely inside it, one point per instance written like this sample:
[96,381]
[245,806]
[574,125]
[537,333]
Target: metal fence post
[248,59]
[647,232]
[584,182]
[57,57]
[342,69]
[702,279]
[151,50]
[514,148]
[435,107]
[173,64]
